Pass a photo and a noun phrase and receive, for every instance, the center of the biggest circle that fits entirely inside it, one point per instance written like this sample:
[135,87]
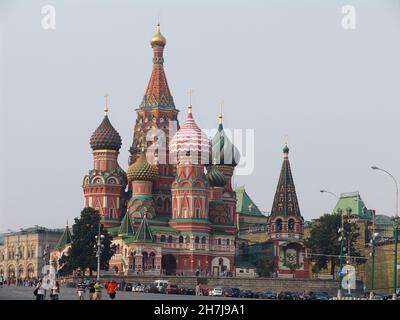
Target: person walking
[91,290]
[55,291]
[39,291]
[80,289]
[97,290]
[112,289]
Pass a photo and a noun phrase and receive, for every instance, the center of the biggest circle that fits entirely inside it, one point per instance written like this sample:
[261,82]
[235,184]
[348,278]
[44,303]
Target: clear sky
[283,68]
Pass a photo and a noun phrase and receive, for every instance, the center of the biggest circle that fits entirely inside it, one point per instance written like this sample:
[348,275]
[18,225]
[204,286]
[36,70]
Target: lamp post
[98,247]
[395,230]
[341,239]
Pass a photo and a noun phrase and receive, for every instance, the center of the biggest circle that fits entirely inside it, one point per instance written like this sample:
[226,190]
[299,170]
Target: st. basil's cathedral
[174,210]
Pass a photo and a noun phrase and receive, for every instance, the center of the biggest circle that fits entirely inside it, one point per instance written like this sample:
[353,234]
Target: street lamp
[341,239]
[395,230]
[99,248]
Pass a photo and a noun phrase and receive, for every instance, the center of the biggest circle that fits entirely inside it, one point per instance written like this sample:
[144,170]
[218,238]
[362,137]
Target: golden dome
[158,39]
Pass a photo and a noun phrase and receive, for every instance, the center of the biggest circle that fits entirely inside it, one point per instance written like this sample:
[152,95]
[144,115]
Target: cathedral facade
[174,210]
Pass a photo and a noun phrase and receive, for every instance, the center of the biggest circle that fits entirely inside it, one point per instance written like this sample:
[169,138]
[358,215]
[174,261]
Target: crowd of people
[95,288]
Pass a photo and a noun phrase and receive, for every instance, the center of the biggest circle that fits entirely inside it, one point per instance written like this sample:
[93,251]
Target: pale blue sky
[282,68]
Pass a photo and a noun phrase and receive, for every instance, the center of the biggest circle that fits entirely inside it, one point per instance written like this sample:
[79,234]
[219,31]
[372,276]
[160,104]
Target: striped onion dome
[215,177]
[141,170]
[190,142]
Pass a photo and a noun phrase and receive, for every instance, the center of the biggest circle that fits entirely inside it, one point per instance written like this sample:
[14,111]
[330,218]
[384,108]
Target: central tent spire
[157,94]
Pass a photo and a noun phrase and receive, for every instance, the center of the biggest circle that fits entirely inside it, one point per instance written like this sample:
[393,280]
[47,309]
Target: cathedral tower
[104,186]
[285,226]
[156,116]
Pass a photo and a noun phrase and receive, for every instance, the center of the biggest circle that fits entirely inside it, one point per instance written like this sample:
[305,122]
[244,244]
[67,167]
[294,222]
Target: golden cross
[106,97]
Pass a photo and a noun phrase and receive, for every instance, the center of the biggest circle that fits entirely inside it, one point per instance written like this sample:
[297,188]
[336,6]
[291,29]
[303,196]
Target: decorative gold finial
[158,39]
[106,97]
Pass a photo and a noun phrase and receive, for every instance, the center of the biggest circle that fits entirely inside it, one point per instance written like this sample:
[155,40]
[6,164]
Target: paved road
[26,293]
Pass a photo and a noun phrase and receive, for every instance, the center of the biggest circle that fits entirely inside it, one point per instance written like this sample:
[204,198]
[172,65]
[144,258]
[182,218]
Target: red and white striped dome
[190,142]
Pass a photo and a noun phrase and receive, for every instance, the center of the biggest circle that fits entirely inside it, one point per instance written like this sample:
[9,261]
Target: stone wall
[257,284]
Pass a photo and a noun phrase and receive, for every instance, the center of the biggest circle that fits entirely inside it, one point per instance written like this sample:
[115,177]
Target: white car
[138,288]
[161,285]
[217,291]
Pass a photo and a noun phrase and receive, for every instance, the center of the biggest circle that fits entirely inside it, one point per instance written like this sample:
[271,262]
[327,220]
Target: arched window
[203,240]
[180,239]
[196,240]
[278,225]
[219,241]
[162,239]
[227,242]
[291,225]
[170,239]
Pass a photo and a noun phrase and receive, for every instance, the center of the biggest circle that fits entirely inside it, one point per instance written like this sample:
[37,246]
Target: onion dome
[158,39]
[105,137]
[215,177]
[223,150]
[286,149]
[141,170]
[190,142]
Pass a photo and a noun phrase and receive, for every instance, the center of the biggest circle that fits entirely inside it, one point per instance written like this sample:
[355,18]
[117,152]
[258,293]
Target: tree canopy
[82,253]
[324,241]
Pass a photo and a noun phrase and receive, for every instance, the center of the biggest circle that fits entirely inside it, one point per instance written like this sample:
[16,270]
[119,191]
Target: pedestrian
[55,291]
[80,289]
[197,289]
[97,290]
[123,284]
[200,289]
[1,281]
[112,289]
[91,290]
[39,291]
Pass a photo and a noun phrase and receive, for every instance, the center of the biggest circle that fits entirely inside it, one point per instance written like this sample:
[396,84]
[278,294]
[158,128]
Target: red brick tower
[285,226]
[104,186]
[156,116]
[190,190]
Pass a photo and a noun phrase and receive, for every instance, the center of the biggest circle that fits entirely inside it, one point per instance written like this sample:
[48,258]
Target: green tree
[324,241]
[82,254]
[265,265]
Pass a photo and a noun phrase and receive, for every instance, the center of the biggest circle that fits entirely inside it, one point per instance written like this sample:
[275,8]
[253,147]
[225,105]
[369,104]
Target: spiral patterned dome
[190,141]
[105,137]
[224,151]
[215,177]
[141,170]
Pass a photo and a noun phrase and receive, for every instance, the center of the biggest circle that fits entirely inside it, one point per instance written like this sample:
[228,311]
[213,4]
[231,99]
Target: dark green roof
[382,219]
[244,204]
[65,239]
[143,233]
[126,226]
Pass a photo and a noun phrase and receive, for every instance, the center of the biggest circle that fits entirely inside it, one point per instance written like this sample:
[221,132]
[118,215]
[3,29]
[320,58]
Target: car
[285,295]
[377,298]
[236,292]
[128,287]
[151,288]
[267,295]
[206,291]
[172,289]
[161,285]
[189,291]
[319,296]
[246,294]
[228,292]
[137,287]
[218,291]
